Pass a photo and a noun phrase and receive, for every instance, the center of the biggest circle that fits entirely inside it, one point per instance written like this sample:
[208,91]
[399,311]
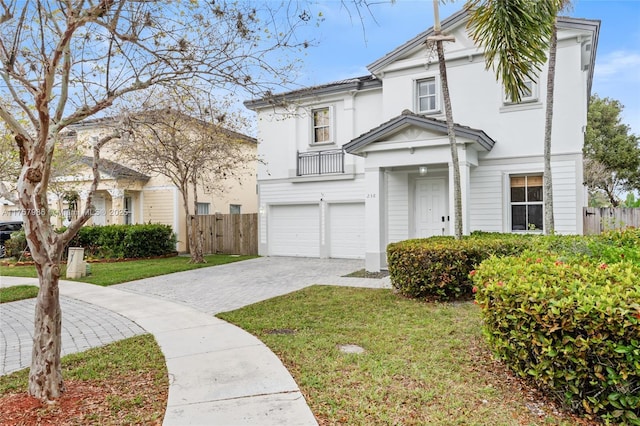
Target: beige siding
[158,206]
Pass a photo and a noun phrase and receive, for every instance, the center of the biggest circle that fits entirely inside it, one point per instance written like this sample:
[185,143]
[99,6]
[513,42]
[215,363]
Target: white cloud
[618,64]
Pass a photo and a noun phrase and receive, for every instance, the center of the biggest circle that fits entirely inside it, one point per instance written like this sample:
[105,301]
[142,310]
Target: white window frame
[533,96]
[236,206]
[437,94]
[202,207]
[511,203]
[331,126]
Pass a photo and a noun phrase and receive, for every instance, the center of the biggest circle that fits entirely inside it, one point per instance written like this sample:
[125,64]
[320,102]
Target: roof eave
[593,26]
[415,42]
[283,98]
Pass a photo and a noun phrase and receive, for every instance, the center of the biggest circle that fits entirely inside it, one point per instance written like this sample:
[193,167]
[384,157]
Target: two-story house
[125,195]
[354,165]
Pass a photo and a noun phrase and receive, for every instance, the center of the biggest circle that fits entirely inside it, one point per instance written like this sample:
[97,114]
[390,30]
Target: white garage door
[346,235]
[294,230]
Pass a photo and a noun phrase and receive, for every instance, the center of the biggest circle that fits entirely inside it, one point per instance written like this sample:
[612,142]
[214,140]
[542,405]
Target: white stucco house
[354,165]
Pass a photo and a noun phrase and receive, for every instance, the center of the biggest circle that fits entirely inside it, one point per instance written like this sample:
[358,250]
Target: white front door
[431,208]
[100,215]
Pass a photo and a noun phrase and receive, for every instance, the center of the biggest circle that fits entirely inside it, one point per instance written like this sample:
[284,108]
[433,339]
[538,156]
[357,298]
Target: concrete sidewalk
[219,374]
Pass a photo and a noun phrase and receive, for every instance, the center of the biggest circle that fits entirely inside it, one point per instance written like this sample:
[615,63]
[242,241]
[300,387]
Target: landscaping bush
[574,328]
[125,241]
[609,247]
[438,268]
[16,244]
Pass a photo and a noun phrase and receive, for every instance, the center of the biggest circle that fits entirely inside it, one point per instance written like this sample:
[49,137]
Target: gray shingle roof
[116,170]
[357,83]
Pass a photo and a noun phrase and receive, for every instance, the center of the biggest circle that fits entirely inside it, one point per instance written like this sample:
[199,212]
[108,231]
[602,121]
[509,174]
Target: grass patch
[110,273]
[424,363]
[18,292]
[122,383]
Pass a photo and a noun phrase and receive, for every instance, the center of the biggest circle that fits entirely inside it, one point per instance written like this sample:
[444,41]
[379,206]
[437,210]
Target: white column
[115,215]
[375,256]
[465,187]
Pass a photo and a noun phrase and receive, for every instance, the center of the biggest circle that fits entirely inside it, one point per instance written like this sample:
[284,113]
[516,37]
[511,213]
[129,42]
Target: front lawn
[110,273]
[18,292]
[424,363]
[122,383]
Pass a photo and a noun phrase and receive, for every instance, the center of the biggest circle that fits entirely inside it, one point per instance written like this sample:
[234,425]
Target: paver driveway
[234,285]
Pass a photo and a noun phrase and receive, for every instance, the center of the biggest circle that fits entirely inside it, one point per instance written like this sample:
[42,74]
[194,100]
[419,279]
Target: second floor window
[530,94]
[321,125]
[203,208]
[427,96]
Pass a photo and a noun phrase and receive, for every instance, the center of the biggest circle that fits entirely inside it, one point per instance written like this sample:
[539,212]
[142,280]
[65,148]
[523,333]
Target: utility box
[76,266]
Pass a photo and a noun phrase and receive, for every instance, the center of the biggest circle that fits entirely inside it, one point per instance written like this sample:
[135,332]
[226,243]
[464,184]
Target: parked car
[6,229]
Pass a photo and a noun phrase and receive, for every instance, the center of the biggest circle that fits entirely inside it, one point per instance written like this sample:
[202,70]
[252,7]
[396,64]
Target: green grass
[120,358]
[17,292]
[106,274]
[423,363]
[130,376]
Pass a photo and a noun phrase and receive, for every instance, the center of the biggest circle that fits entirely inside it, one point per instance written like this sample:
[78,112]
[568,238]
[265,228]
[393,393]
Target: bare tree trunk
[197,255]
[45,378]
[457,193]
[549,226]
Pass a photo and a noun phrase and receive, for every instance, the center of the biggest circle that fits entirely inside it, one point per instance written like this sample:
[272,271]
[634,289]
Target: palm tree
[438,38]
[516,35]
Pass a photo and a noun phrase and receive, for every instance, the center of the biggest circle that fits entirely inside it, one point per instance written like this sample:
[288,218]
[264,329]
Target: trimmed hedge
[126,241]
[437,268]
[16,245]
[574,328]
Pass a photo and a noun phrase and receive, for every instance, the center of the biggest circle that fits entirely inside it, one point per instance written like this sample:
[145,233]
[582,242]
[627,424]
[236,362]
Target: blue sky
[344,49]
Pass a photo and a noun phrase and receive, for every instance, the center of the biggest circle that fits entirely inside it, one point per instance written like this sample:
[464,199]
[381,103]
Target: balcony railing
[320,162]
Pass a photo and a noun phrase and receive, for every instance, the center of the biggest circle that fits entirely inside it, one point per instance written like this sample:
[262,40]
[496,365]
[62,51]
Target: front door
[100,215]
[431,208]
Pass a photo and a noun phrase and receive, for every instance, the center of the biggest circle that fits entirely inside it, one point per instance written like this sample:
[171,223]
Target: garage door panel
[294,230]
[347,230]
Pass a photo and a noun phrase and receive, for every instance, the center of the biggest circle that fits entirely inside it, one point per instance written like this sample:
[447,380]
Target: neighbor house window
[530,93]
[427,96]
[234,208]
[203,208]
[526,203]
[321,125]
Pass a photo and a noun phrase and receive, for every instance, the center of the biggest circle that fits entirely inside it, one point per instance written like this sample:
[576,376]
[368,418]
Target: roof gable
[408,119]
[417,42]
[459,18]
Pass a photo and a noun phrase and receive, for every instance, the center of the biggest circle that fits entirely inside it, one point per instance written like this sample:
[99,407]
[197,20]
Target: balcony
[320,162]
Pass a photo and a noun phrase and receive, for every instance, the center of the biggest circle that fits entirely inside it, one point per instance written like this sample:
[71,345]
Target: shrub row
[574,328]
[16,245]
[438,268]
[126,241]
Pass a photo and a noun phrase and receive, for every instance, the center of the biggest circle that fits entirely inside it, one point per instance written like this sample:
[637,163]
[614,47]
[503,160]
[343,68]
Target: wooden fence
[599,219]
[230,233]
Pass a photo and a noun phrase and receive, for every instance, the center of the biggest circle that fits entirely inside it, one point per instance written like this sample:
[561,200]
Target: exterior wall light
[422,170]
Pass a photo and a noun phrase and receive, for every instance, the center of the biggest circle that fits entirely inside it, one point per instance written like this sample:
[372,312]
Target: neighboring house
[8,211]
[127,196]
[354,165]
